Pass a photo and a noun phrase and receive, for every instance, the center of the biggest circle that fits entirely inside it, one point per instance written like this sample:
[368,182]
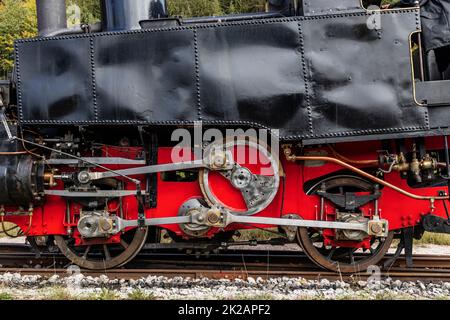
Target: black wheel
[104,256]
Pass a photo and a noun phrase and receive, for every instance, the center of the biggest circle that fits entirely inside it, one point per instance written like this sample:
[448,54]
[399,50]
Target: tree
[242,6]
[17,20]
[194,8]
[90,10]
[213,7]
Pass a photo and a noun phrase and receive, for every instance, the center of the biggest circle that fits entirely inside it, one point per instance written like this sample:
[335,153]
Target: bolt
[213,218]
[376,228]
[105,225]
[83,177]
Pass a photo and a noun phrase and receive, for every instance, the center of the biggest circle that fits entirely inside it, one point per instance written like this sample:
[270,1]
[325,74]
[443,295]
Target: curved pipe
[361,162]
[364,174]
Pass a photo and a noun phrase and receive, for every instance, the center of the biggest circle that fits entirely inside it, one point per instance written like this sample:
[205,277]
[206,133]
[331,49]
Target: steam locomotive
[324,122]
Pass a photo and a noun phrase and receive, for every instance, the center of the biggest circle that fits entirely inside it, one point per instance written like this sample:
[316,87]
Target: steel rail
[229,264]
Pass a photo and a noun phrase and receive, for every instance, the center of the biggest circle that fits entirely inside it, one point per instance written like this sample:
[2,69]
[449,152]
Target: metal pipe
[364,174]
[447,157]
[422,70]
[126,15]
[51,16]
[447,164]
[361,162]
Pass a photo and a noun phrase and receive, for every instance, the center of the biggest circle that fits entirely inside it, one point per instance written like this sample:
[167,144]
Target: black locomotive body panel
[312,77]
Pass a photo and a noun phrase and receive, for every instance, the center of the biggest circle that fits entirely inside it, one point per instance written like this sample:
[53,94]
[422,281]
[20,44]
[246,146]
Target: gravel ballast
[78,286]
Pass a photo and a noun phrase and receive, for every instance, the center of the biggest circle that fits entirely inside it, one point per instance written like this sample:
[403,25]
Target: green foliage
[17,20]
[59,293]
[213,7]
[140,295]
[242,6]
[434,238]
[107,295]
[194,8]
[5,296]
[90,11]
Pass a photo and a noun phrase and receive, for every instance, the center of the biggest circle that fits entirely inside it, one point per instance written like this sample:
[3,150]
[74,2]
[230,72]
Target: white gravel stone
[78,285]
[421,285]
[362,283]
[251,280]
[324,283]
[53,279]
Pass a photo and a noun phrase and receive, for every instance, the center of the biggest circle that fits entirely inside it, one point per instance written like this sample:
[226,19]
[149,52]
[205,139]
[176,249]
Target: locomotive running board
[375,227]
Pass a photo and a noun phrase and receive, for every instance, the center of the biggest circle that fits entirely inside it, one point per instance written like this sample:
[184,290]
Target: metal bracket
[408,243]
[290,231]
[349,200]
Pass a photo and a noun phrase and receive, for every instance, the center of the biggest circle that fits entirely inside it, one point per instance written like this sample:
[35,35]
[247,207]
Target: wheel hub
[193,207]
[95,224]
[241,177]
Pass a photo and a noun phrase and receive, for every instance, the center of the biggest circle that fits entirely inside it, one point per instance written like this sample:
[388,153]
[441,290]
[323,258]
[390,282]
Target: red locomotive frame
[400,210]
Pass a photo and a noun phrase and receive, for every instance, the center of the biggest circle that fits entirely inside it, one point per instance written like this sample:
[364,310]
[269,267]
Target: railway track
[229,264]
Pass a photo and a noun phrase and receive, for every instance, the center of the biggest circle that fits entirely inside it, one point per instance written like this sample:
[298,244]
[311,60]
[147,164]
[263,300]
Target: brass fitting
[213,217]
[49,178]
[287,150]
[378,228]
[416,165]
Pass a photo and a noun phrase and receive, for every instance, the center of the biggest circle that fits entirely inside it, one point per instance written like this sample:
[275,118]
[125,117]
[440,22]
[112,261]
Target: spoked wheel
[343,258]
[104,256]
